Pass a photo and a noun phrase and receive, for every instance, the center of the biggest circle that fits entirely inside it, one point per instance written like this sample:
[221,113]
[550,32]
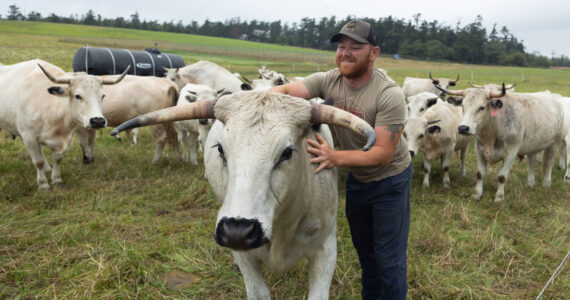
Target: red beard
[352,71]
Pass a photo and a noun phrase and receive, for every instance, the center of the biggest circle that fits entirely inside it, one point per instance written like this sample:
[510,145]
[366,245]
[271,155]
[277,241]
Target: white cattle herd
[254,153]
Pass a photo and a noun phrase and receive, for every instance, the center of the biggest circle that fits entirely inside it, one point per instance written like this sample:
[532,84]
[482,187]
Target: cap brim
[335,38]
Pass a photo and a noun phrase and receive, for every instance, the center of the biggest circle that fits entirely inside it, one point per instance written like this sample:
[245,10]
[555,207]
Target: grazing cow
[135,96]
[207,73]
[46,115]
[507,126]
[413,86]
[275,210]
[192,131]
[435,135]
[419,103]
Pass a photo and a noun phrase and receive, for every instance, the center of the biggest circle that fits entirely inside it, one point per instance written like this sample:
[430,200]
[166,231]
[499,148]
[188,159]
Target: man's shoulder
[383,77]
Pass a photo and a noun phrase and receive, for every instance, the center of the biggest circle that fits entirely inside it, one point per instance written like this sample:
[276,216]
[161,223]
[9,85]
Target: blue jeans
[379,217]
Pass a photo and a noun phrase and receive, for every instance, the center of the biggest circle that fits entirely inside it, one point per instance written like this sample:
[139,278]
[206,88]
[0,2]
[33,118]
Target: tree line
[415,39]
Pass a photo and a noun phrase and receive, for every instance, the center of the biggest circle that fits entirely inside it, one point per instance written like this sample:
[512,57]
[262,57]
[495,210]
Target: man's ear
[57,91]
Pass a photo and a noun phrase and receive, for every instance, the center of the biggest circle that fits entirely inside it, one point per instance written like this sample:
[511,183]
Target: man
[378,184]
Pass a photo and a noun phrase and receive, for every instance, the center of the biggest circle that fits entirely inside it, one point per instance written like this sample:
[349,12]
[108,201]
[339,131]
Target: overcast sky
[543,26]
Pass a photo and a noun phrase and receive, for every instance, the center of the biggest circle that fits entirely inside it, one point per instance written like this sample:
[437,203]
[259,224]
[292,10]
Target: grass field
[124,228]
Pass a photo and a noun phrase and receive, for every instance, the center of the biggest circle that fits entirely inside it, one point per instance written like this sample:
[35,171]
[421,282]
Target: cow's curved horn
[450,92]
[430,122]
[246,80]
[197,110]
[475,85]
[499,94]
[331,115]
[510,86]
[53,79]
[454,81]
[431,77]
[116,80]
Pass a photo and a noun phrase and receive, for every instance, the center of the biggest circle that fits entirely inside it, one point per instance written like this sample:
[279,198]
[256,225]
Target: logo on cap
[351,24]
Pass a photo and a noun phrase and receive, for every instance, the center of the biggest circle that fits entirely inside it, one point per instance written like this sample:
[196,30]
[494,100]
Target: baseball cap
[357,30]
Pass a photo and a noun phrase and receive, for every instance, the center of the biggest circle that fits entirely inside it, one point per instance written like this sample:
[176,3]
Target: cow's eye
[103,97]
[78,97]
[220,150]
[286,155]
[420,136]
[481,108]
[422,109]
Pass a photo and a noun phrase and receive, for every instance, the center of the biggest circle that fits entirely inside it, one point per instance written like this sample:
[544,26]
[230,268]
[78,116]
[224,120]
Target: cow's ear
[454,101]
[433,129]
[190,98]
[451,83]
[497,104]
[431,102]
[245,87]
[58,91]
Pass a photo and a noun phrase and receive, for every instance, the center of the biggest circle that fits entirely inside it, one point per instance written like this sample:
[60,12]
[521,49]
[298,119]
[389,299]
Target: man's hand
[325,154]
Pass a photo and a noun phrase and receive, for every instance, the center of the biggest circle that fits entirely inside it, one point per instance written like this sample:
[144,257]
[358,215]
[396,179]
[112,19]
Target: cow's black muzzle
[240,234]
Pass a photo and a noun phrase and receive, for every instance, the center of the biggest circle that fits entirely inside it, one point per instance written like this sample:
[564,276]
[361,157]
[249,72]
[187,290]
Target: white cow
[135,96]
[435,135]
[275,210]
[207,73]
[192,131]
[418,104]
[46,115]
[413,86]
[507,126]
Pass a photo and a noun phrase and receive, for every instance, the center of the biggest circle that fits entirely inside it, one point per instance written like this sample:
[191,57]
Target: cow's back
[212,75]
[538,120]
[135,96]
[24,93]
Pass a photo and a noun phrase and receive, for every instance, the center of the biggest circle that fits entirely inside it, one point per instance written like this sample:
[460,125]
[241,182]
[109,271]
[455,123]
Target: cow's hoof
[88,160]
[43,186]
[235,267]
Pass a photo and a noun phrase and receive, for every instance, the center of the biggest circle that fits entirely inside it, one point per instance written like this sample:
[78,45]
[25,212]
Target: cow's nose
[240,234]
[97,122]
[412,153]
[463,129]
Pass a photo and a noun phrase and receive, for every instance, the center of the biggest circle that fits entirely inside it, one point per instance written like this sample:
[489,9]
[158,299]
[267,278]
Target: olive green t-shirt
[380,102]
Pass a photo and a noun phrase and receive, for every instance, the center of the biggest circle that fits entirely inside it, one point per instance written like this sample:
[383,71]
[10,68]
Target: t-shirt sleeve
[315,84]
[391,107]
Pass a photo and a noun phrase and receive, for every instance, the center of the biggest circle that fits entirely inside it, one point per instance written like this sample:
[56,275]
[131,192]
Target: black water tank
[105,61]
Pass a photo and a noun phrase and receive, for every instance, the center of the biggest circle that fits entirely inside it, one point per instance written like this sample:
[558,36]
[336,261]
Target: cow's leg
[135,135]
[531,166]
[160,139]
[547,165]
[321,269]
[567,175]
[503,174]
[427,169]
[183,139]
[171,138]
[463,158]
[481,170]
[39,161]
[86,141]
[251,271]
[193,139]
[56,173]
[446,161]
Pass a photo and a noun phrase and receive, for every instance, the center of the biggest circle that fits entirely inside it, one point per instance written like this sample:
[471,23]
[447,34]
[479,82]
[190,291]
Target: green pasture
[123,228]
